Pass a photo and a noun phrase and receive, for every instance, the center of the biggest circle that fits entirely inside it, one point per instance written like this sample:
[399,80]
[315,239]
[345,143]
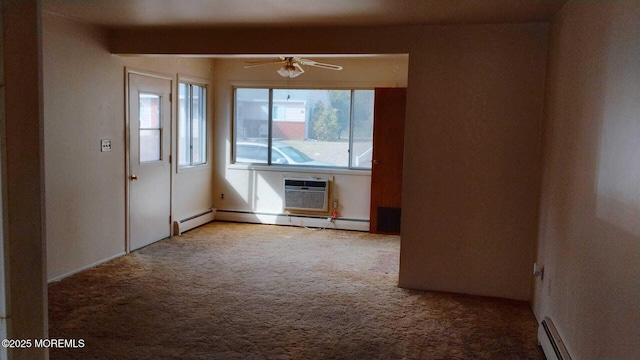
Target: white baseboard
[293,220]
[194,221]
[60,277]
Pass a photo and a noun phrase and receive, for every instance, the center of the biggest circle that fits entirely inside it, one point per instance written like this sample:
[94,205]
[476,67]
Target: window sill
[300,169]
[190,168]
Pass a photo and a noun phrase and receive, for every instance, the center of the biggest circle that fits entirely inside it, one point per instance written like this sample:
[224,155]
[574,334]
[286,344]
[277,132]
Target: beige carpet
[239,291]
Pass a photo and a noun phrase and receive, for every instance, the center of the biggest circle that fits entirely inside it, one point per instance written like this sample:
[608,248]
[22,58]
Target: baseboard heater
[193,221]
[288,219]
[551,342]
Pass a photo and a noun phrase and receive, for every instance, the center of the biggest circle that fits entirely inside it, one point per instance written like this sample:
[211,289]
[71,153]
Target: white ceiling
[144,13]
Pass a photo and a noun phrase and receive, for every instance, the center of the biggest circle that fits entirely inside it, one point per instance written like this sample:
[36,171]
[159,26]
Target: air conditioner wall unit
[306,194]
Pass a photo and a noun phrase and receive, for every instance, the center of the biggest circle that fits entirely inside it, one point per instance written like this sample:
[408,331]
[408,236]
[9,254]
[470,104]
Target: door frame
[127,141]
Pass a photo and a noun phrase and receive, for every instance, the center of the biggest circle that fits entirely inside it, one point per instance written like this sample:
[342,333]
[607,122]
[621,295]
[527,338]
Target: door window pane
[149,111]
[150,127]
[150,145]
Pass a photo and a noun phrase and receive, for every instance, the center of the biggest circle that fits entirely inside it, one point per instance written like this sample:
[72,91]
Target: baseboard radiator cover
[551,342]
[193,221]
[314,221]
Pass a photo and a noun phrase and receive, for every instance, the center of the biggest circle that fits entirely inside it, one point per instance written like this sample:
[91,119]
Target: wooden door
[388,152]
[149,165]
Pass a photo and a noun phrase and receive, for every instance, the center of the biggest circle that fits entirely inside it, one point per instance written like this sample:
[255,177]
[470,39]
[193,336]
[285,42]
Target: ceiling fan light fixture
[289,71]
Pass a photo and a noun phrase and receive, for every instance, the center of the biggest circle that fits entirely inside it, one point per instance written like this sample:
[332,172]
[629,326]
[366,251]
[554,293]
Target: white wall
[589,241]
[472,152]
[260,190]
[84,103]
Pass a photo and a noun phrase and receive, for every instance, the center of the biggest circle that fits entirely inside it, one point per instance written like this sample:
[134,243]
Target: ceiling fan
[291,65]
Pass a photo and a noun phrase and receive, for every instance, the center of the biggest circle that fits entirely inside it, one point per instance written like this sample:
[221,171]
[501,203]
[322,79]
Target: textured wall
[589,240]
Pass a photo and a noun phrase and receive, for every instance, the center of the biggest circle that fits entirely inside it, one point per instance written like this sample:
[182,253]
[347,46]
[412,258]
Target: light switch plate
[105,145]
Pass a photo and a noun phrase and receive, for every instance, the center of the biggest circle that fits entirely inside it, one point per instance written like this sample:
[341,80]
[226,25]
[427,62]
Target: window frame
[204,83]
[270,106]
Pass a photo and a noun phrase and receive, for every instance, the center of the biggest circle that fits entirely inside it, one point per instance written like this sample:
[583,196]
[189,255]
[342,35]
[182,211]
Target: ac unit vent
[308,195]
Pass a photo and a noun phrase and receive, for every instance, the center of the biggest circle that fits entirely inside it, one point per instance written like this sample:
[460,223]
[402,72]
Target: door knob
[133,177]
[375,162]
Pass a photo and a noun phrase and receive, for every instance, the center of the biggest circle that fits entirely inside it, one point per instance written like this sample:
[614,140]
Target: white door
[149,162]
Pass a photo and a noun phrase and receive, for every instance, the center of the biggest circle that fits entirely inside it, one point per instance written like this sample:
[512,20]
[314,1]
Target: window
[304,127]
[278,112]
[192,124]
[150,128]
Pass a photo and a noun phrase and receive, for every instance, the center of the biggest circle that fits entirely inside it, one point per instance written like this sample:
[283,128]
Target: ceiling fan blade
[251,64]
[300,69]
[318,64]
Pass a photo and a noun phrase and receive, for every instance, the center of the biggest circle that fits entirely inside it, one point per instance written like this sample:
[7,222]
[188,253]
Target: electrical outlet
[335,204]
[222,196]
[105,145]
